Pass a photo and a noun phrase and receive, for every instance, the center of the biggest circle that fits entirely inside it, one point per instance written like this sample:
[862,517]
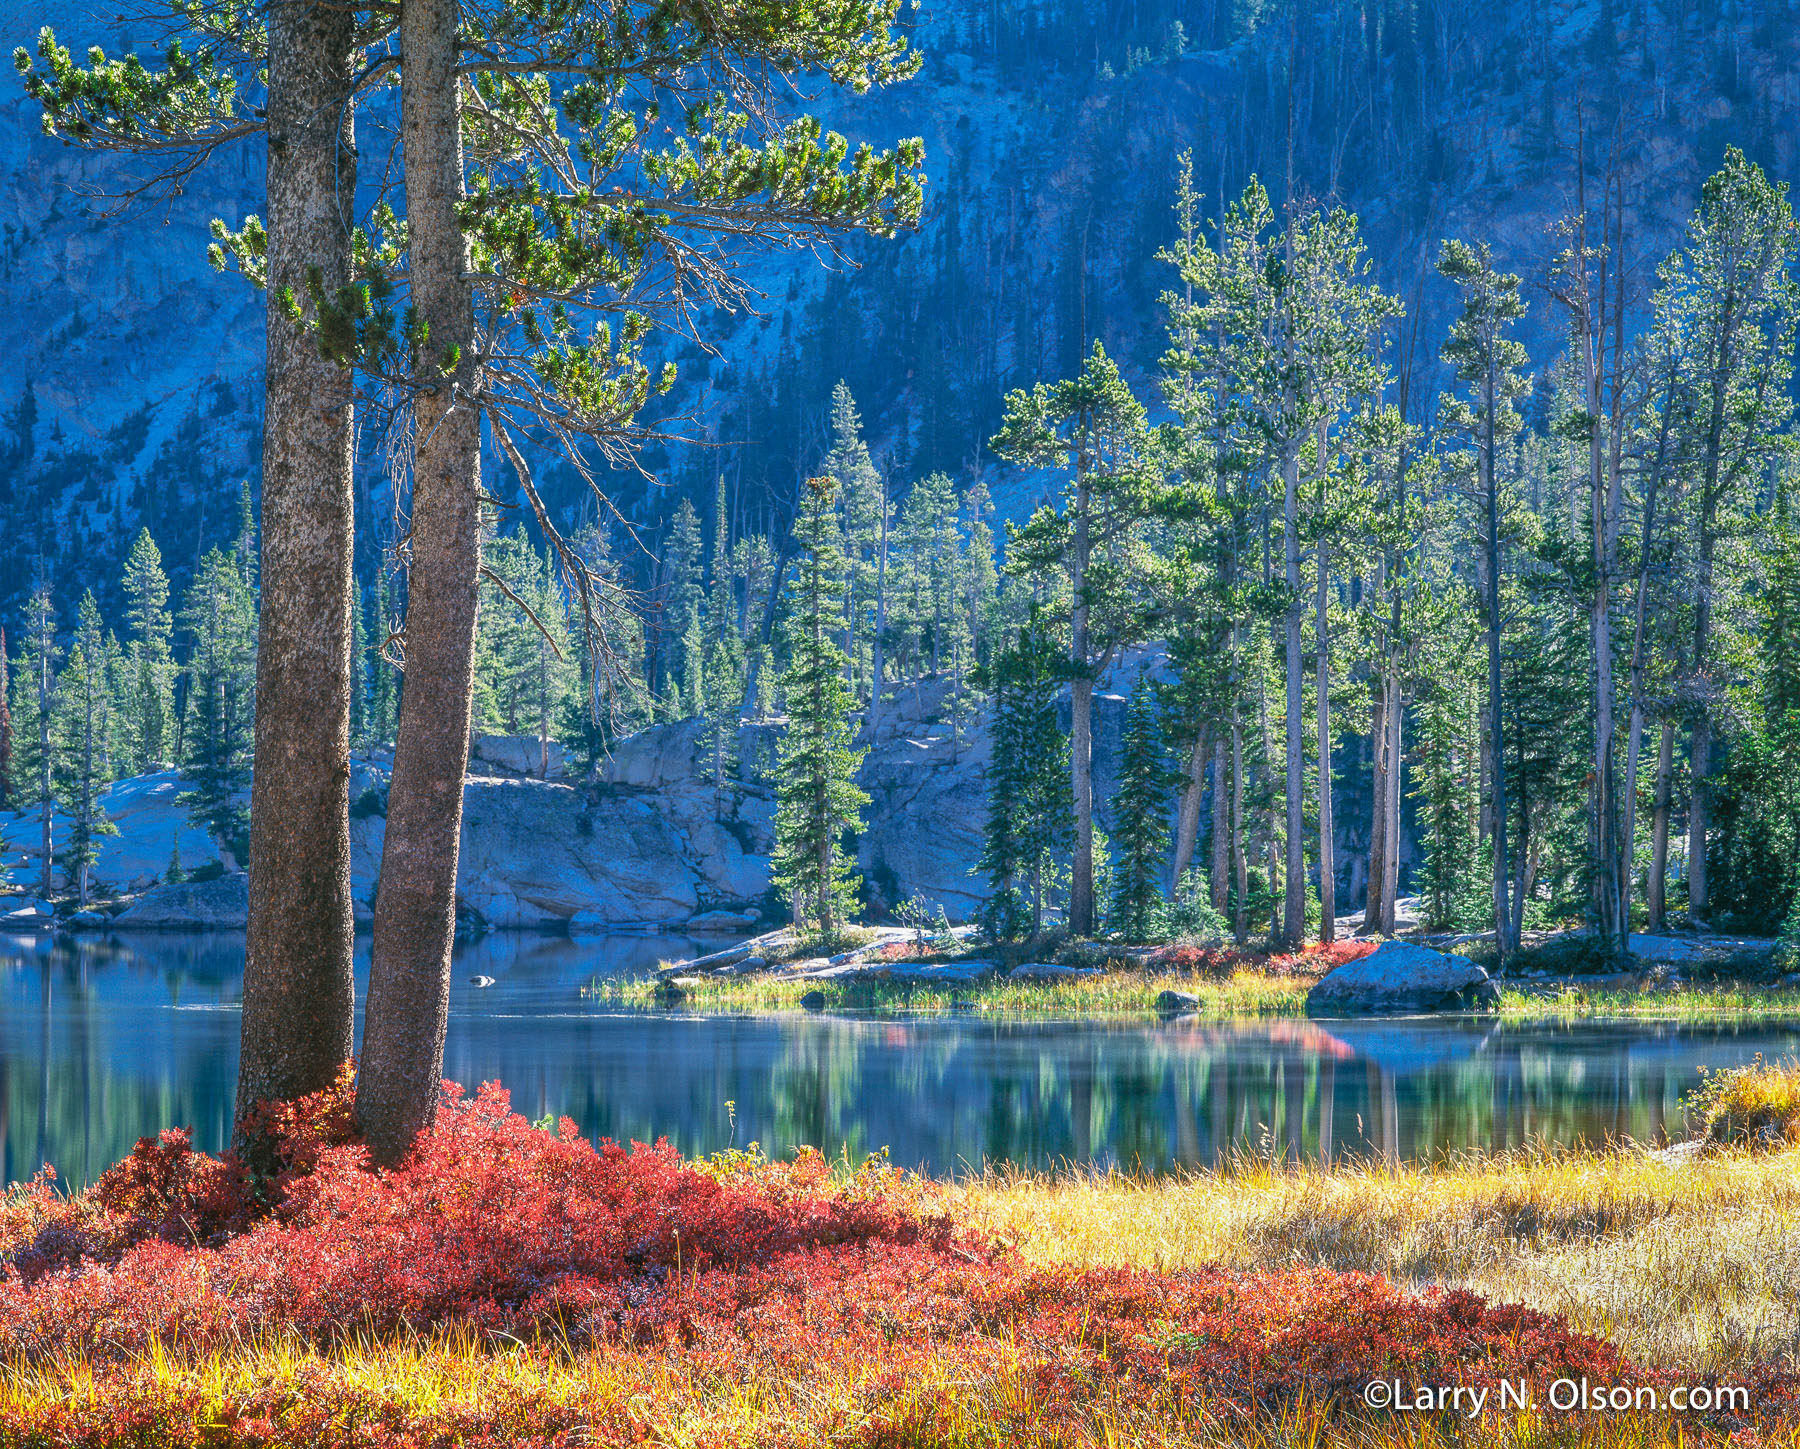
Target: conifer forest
[900,724]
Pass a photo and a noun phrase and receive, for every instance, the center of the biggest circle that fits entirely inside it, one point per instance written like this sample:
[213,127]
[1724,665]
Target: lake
[105,1040]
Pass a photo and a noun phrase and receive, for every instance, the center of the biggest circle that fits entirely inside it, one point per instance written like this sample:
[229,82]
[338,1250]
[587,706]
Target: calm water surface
[103,1041]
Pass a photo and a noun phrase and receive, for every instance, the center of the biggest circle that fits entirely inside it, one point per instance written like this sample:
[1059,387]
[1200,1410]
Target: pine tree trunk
[1490,483]
[415,905]
[876,663]
[1272,817]
[1240,865]
[87,787]
[1700,745]
[1640,653]
[1656,888]
[1327,846]
[1081,736]
[1390,875]
[1293,924]
[1221,830]
[45,796]
[1378,751]
[299,994]
[1609,892]
[1187,819]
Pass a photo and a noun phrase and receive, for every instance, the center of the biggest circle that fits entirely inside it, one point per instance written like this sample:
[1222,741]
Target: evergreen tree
[678,631]
[1483,353]
[1446,720]
[148,703]
[1092,426]
[1733,280]
[1030,820]
[981,580]
[359,672]
[723,650]
[6,729]
[864,502]
[613,699]
[753,566]
[526,674]
[1140,822]
[817,797]
[34,684]
[81,738]
[219,618]
[384,678]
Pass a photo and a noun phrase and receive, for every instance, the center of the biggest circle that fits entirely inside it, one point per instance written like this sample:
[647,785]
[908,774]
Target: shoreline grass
[1243,993]
[1691,1262]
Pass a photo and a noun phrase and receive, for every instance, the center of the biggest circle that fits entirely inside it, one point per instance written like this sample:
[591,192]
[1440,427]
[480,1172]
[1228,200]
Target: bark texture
[1293,917]
[1081,729]
[415,903]
[1327,846]
[1187,818]
[299,994]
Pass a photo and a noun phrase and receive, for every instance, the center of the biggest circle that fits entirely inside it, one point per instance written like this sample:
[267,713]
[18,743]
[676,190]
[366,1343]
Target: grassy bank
[1692,1264]
[510,1287]
[1251,988]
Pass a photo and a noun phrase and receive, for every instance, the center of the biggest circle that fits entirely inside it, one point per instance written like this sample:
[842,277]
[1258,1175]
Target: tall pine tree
[818,799]
[1140,832]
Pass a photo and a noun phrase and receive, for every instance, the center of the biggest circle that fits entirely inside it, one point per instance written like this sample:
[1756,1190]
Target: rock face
[1400,978]
[516,755]
[222,904]
[650,844]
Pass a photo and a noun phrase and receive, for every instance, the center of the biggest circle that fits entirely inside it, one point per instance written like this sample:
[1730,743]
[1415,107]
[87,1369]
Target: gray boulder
[25,911]
[1398,977]
[517,755]
[1050,971]
[221,904]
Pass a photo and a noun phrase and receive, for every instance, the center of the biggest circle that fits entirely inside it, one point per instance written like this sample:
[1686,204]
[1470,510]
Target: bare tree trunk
[1640,656]
[753,701]
[1221,830]
[1504,941]
[46,800]
[1656,888]
[1700,743]
[1272,818]
[299,993]
[877,664]
[1187,818]
[1390,872]
[1081,734]
[415,905]
[1293,923]
[1379,766]
[1605,508]
[1240,866]
[1327,846]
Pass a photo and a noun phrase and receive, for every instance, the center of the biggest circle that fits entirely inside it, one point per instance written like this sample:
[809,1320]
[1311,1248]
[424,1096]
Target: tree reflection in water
[103,1041]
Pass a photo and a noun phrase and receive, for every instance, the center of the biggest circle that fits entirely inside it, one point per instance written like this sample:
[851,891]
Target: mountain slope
[1052,132]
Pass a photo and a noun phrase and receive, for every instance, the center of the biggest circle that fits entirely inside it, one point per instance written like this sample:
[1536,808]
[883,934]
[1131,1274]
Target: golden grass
[1691,1264]
[1132,992]
[1694,1264]
[1758,1104]
[458,1389]
[1245,993]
